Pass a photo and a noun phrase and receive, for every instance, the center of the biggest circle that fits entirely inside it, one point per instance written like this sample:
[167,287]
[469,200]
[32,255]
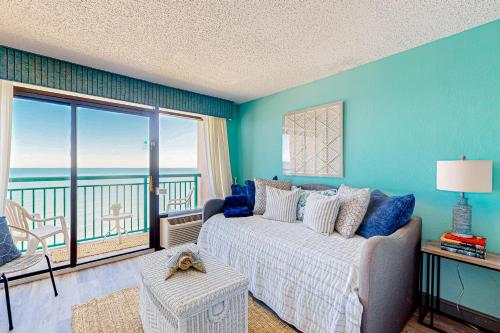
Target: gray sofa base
[388,275]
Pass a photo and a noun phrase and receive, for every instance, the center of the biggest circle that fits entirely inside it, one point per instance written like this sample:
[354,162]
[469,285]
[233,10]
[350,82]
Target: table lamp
[464,176]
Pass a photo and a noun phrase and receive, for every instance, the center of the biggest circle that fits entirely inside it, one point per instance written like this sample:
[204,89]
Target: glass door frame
[153,157]
[74,102]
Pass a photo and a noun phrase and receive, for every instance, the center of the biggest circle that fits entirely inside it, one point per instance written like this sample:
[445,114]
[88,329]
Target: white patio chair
[20,218]
[181,201]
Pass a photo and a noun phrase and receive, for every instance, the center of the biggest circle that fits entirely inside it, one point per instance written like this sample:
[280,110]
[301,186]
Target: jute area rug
[119,313]
[97,247]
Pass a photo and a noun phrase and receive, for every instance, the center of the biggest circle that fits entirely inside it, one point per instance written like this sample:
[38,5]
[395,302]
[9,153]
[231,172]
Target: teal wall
[401,115]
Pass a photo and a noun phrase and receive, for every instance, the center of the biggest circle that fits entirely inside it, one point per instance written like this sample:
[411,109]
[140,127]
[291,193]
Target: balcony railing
[50,196]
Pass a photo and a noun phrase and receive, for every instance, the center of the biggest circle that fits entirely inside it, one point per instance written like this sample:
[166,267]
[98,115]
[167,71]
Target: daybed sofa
[320,283]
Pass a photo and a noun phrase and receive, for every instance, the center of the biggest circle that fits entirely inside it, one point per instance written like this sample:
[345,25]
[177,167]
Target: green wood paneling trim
[26,67]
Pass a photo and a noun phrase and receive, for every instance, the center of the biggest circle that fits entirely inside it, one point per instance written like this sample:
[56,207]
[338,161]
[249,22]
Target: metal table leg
[438,296]
[427,288]
[431,297]
[421,288]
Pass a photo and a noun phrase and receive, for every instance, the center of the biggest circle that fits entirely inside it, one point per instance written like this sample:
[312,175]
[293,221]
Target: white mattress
[308,279]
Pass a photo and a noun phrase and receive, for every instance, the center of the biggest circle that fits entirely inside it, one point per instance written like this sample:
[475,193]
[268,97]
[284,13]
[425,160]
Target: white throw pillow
[260,192]
[353,205]
[281,204]
[320,213]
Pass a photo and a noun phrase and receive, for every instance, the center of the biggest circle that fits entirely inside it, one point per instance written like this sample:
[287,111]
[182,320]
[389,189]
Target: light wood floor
[35,309]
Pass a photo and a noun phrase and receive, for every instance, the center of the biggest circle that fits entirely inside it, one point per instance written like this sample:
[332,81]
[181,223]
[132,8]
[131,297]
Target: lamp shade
[464,175]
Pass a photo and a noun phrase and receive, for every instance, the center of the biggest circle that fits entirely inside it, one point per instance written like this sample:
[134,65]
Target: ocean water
[65,172]
[95,196]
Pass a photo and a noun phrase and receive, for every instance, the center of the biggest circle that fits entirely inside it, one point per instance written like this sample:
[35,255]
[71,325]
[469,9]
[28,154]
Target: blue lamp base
[462,218]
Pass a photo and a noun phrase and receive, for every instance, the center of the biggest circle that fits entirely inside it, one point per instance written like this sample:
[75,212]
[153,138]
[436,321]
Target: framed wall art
[313,141]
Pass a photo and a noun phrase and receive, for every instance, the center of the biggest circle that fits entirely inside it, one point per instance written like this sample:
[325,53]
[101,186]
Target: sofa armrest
[389,268]
[212,207]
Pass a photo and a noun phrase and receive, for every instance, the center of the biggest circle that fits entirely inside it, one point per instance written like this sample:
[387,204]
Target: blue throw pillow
[232,201]
[247,190]
[250,192]
[237,212]
[236,206]
[386,214]
[8,250]
[237,189]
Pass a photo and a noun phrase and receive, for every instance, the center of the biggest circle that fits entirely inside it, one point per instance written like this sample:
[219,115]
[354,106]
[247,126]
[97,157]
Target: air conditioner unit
[179,230]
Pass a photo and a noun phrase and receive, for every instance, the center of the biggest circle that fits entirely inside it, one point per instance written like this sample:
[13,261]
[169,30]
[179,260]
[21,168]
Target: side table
[434,253]
[118,227]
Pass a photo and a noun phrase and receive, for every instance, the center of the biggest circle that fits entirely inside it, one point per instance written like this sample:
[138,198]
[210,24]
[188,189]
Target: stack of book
[470,246]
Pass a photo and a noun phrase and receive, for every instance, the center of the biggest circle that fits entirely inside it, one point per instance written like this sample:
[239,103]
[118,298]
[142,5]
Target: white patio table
[117,227]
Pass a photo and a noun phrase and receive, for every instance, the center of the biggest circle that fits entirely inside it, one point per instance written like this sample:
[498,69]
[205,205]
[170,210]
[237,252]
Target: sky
[41,138]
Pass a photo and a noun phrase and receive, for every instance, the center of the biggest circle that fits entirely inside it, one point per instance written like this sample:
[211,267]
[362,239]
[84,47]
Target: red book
[475,240]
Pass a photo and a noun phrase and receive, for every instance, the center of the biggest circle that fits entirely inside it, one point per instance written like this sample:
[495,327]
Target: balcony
[50,196]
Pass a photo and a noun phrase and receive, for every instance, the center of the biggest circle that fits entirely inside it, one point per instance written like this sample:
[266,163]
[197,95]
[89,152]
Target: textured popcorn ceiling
[238,50]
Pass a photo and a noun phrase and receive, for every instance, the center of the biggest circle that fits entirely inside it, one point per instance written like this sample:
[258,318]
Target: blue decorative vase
[462,218]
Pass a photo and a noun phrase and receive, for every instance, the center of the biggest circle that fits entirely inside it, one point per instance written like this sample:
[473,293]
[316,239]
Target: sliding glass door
[113,173]
[39,178]
[103,173]
[85,173]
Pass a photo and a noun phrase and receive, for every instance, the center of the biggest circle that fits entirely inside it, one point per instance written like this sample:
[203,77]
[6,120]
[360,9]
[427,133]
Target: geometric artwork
[313,141]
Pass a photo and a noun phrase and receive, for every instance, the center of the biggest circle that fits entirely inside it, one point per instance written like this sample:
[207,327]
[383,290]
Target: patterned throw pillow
[304,194]
[8,251]
[281,204]
[321,212]
[353,205]
[260,192]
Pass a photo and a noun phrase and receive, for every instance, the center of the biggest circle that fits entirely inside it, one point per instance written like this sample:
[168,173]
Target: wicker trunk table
[191,301]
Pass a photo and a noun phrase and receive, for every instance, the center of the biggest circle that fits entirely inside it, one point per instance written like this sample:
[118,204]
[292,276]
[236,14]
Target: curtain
[204,183]
[219,166]
[6,97]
